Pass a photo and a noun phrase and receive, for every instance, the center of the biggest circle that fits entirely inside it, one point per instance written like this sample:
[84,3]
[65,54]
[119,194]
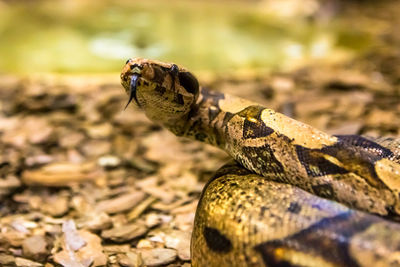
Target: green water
[92,37]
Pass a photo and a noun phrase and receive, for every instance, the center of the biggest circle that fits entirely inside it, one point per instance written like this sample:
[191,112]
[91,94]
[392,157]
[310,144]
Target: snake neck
[207,119]
[285,150]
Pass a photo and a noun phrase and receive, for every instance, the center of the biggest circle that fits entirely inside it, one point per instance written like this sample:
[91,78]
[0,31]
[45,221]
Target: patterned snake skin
[295,196]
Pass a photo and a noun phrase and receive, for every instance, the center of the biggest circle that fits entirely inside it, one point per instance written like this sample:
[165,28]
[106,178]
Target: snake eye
[127,61]
[189,82]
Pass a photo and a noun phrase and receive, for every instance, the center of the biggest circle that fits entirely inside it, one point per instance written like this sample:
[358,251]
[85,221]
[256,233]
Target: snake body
[279,204]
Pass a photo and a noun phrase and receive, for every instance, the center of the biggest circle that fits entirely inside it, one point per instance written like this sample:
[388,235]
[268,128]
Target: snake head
[164,91]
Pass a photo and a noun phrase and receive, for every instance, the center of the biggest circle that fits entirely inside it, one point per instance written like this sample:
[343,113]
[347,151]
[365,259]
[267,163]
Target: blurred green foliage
[98,36]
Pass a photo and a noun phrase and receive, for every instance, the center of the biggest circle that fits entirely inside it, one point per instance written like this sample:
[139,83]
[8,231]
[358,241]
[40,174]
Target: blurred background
[84,36]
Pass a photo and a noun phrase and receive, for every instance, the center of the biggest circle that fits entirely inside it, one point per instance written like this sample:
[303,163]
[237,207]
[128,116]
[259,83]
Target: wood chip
[140,208]
[27,263]
[60,174]
[120,203]
[124,232]
[117,248]
[130,259]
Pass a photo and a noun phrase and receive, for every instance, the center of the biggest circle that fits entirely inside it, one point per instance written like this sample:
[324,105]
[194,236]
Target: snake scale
[295,196]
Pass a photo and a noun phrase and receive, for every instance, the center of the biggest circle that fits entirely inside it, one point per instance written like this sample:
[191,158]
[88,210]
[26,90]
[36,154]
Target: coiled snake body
[279,204]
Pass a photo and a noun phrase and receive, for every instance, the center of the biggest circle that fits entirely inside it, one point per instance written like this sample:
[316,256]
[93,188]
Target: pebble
[80,248]
[34,247]
[96,148]
[109,161]
[6,259]
[99,131]
[71,139]
[39,160]
[180,241]
[158,256]
[72,238]
[56,205]
[95,221]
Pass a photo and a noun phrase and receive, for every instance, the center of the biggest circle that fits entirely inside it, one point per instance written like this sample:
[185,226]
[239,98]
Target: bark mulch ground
[84,183]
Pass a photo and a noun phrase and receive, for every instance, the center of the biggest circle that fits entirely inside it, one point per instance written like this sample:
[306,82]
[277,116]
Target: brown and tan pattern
[245,218]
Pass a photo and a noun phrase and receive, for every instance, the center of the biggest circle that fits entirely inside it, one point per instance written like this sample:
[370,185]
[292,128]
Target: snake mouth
[132,89]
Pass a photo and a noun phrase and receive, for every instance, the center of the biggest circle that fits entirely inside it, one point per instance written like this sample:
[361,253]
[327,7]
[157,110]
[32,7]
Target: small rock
[282,84]
[10,181]
[33,129]
[71,139]
[99,131]
[12,237]
[93,250]
[95,148]
[6,259]
[180,241]
[72,239]
[130,259]
[109,161]
[144,243]
[95,221]
[41,136]
[38,160]
[184,221]
[158,256]
[35,247]
[56,205]
[23,226]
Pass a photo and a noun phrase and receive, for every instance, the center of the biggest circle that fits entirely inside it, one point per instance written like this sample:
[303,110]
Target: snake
[292,195]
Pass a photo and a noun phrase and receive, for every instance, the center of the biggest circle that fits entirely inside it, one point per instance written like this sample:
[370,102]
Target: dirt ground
[84,183]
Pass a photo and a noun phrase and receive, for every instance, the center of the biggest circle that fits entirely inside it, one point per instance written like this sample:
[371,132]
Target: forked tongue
[132,89]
